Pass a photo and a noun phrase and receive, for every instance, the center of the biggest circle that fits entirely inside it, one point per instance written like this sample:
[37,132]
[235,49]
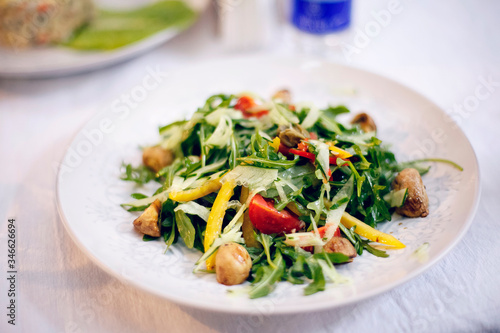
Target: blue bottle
[321,17]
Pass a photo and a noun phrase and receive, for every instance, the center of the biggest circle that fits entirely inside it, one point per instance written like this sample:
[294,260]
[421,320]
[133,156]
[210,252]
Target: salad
[270,190]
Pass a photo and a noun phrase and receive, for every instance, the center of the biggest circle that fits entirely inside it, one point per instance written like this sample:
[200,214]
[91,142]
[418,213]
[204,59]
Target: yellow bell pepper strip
[196,193]
[275,144]
[247,227]
[366,231]
[216,217]
[341,153]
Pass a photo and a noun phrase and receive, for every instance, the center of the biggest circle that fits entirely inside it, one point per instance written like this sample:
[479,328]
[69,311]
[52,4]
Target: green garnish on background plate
[113,29]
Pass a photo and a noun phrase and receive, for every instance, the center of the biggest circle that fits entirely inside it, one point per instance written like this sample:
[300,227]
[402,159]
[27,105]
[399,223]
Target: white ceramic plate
[56,61]
[89,189]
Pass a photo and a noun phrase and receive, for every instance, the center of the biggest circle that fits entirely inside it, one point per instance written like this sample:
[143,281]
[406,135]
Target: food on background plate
[28,23]
[271,191]
[79,25]
[113,29]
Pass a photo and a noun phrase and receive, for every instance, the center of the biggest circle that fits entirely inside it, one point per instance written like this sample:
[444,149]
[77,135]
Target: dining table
[447,51]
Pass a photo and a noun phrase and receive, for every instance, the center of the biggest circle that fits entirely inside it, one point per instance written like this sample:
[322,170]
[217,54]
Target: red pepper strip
[305,154]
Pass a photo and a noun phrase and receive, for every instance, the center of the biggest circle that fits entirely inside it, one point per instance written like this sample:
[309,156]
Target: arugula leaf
[138,196]
[335,258]
[185,227]
[266,242]
[234,152]
[422,169]
[296,272]
[266,277]
[265,163]
[147,238]
[139,175]
[170,237]
[334,111]
[162,129]
[318,283]
[442,160]
[280,205]
[374,251]
[190,166]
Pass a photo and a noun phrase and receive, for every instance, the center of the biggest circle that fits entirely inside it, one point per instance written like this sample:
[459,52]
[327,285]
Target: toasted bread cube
[147,223]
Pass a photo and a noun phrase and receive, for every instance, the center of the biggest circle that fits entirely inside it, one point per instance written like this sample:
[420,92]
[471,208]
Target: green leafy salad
[270,190]
[110,30]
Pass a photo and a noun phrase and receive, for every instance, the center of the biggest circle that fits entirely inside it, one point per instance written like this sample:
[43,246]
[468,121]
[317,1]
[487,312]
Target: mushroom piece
[365,122]
[291,136]
[147,223]
[283,96]
[417,202]
[340,245]
[157,158]
[232,264]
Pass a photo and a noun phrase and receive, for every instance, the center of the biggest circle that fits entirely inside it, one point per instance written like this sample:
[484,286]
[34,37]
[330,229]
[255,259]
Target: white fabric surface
[441,49]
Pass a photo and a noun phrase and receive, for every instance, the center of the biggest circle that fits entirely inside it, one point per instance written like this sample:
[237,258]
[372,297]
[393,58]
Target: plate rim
[229,308]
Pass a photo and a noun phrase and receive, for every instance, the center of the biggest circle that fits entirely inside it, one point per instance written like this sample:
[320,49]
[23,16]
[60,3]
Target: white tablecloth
[444,50]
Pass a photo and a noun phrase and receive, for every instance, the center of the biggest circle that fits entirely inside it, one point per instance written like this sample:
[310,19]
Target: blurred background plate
[57,60]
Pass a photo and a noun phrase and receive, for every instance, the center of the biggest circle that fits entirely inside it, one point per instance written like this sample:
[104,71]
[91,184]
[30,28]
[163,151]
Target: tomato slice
[268,220]
[333,160]
[322,230]
[245,104]
[284,150]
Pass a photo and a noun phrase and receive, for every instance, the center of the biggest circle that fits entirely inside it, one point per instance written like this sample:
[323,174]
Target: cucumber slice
[396,198]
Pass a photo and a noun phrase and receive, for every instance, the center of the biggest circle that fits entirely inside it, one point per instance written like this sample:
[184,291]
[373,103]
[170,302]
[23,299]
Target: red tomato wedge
[284,150]
[268,220]
[322,230]
[333,160]
[245,104]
